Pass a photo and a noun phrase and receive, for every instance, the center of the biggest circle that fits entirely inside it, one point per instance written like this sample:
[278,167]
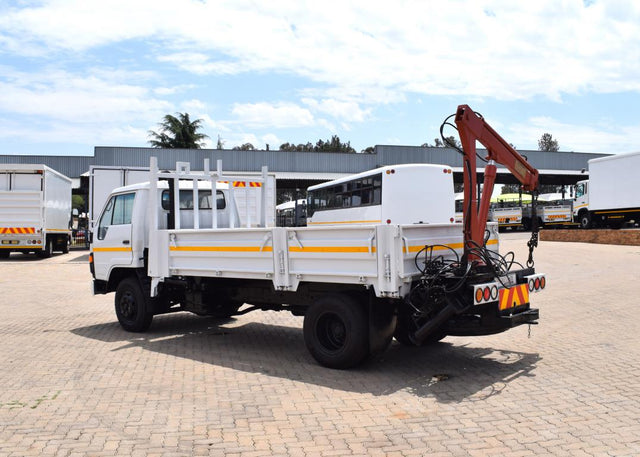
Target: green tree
[547,143]
[332,145]
[244,147]
[449,142]
[178,132]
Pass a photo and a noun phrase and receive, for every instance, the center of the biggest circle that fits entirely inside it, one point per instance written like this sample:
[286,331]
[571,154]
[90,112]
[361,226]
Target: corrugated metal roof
[322,163]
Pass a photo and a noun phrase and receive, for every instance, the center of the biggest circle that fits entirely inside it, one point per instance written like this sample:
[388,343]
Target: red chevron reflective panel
[17,230]
[514,296]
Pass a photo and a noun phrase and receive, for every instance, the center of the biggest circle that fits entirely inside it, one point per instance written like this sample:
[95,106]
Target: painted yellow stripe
[112,249]
[221,248]
[618,211]
[580,206]
[345,222]
[333,249]
[57,230]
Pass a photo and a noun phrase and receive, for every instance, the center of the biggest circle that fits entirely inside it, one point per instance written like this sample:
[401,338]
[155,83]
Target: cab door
[112,238]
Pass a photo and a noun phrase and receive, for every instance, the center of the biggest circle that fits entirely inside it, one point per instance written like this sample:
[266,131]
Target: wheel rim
[127,305]
[331,332]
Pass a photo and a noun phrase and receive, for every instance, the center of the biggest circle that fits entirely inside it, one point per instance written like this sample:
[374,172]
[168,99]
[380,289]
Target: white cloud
[346,110]
[57,94]
[603,137]
[499,49]
[279,115]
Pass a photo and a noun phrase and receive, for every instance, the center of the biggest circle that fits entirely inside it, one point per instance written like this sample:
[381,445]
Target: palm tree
[178,133]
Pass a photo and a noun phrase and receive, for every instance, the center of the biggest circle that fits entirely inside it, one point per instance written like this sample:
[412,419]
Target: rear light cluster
[485,293]
[536,283]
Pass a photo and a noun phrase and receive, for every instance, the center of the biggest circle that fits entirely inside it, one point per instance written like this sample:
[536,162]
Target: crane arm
[472,128]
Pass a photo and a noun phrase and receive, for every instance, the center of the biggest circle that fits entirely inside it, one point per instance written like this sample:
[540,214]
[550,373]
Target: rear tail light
[484,293]
[536,283]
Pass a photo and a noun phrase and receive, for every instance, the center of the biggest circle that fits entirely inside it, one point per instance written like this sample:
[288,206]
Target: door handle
[126,242]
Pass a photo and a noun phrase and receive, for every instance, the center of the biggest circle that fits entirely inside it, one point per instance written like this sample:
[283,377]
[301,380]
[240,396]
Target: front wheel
[336,332]
[585,220]
[132,309]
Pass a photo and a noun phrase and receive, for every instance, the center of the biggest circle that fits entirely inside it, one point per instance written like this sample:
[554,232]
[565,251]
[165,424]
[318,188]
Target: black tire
[65,245]
[47,251]
[132,308]
[406,326]
[336,332]
[585,220]
[4,253]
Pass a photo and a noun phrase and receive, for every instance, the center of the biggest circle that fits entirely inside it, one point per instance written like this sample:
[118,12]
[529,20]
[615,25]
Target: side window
[123,209]
[118,211]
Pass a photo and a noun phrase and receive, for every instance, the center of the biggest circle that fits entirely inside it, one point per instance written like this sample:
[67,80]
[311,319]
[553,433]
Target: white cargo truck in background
[35,210]
[104,179]
[610,196]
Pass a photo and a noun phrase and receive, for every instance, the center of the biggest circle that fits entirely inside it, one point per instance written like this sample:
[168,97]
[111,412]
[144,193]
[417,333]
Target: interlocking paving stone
[74,383]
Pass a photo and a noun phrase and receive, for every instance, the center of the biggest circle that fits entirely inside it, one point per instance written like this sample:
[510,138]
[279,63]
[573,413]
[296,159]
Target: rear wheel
[336,332]
[4,253]
[132,308]
[65,245]
[48,249]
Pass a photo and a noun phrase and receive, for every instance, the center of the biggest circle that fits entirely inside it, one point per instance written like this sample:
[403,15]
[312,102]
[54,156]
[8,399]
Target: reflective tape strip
[333,249]
[221,248]
[118,249]
[419,247]
[345,222]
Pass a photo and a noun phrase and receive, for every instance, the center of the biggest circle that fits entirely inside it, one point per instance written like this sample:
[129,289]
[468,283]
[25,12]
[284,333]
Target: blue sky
[79,74]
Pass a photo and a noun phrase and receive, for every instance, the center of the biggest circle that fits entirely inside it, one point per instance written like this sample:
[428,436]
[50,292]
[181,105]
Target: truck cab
[581,204]
[120,238]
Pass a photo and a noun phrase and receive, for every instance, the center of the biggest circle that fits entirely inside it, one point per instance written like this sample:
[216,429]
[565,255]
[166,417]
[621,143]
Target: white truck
[610,196]
[35,210]
[357,284]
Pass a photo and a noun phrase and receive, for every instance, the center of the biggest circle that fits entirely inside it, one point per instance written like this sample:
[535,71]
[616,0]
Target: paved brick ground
[73,383]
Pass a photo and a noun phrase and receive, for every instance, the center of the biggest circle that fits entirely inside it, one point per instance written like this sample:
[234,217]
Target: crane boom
[472,128]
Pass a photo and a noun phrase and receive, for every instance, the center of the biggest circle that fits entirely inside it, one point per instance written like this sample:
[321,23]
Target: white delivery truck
[610,196]
[35,210]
